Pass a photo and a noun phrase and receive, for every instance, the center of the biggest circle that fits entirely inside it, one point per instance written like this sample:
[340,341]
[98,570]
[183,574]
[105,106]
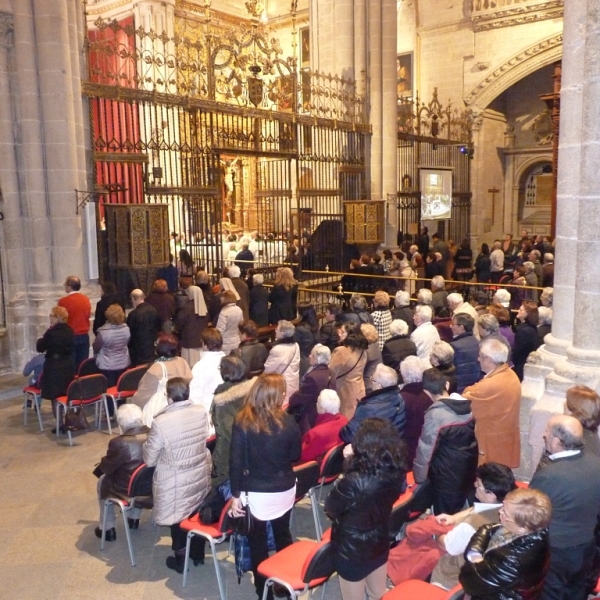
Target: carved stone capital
[6,30]
[514,14]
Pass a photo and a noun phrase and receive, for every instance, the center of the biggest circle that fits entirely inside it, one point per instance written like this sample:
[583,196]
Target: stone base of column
[549,373]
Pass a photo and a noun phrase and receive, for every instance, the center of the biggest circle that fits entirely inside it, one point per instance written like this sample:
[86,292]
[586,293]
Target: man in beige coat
[496,402]
[176,446]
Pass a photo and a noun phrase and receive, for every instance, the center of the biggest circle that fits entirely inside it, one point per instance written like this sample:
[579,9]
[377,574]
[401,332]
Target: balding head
[137,297]
[563,432]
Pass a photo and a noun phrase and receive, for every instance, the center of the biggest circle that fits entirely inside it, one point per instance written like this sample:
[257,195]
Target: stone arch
[514,69]
[541,216]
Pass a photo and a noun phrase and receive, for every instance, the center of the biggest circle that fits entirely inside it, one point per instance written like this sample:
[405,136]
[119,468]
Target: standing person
[229,319]
[360,506]
[374,356]
[328,333]
[571,479]
[382,317]
[496,262]
[109,296]
[59,366]
[583,403]
[464,261]
[496,403]
[265,442]
[284,357]
[144,325]
[163,302]
[399,346]
[425,334]
[526,336]
[190,322]
[259,301]
[252,352]
[241,287]
[79,310]
[283,296]
[186,264]
[483,265]
[110,345]
[176,446]
[466,351]
[402,310]
[306,333]
[423,242]
[347,365]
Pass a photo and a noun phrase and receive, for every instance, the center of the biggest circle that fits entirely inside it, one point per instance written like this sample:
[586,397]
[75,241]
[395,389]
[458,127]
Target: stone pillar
[375,97]
[570,355]
[344,39]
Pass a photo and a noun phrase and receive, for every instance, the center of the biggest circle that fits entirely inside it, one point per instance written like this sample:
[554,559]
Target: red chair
[414,589]
[33,397]
[307,478]
[139,495]
[127,384]
[88,367]
[84,391]
[214,534]
[300,567]
[331,468]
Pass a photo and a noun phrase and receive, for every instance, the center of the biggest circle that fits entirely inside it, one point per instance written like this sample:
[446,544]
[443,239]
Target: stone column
[570,355]
[375,97]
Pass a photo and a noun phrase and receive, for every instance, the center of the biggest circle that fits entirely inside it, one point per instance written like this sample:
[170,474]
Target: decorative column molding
[7,29]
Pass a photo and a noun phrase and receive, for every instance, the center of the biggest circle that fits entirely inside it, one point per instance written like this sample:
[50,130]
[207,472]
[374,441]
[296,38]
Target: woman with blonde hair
[265,442]
[283,296]
[110,346]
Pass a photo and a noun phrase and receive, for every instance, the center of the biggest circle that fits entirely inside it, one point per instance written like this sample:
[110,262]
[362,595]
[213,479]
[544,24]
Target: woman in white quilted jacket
[176,446]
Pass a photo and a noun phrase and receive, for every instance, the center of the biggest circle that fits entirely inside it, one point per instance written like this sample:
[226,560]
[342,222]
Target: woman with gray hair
[326,432]
[358,311]
[416,402]
[402,310]
[547,297]
[303,402]
[123,457]
[284,357]
[442,359]
[545,322]
[531,280]
[374,357]
[399,346]
[489,327]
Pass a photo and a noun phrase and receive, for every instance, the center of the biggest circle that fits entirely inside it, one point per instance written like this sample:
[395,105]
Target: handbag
[243,525]
[75,419]
[158,400]
[210,509]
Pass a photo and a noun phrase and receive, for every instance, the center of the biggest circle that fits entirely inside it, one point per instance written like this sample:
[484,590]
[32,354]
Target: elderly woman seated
[303,402]
[442,358]
[512,556]
[439,293]
[326,432]
[399,346]
[123,457]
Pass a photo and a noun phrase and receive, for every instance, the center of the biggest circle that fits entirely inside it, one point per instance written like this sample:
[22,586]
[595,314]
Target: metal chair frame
[33,393]
[307,478]
[127,384]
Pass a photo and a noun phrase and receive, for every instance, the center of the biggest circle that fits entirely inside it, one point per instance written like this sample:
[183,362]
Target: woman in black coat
[283,296]
[59,367]
[360,506]
[483,265]
[526,336]
[509,561]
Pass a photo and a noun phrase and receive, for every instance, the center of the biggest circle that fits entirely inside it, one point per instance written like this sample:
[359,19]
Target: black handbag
[243,525]
[75,419]
[210,509]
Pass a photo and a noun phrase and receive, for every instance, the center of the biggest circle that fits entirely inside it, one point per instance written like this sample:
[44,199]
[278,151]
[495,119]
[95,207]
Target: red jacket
[322,437]
[79,308]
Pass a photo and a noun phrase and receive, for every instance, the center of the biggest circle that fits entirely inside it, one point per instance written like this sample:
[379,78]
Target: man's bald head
[137,297]
[563,432]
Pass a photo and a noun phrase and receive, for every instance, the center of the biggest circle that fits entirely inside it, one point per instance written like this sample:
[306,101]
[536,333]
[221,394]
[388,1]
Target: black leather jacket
[514,571]
[360,507]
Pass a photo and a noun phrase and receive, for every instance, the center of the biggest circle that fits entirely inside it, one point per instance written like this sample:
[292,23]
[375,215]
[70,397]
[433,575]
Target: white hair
[411,369]
[528,266]
[502,296]
[385,376]
[398,327]
[544,315]
[129,416]
[258,279]
[402,299]
[495,350]
[442,353]
[548,257]
[287,329]
[329,401]
[424,296]
[321,354]
[454,300]
[488,323]
[234,271]
[424,312]
[535,253]
[438,282]
[547,296]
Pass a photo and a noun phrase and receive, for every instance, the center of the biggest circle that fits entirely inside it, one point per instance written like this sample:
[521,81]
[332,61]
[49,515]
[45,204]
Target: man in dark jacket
[144,324]
[447,452]
[466,351]
[123,457]
[251,351]
[244,259]
[241,287]
[384,402]
[259,301]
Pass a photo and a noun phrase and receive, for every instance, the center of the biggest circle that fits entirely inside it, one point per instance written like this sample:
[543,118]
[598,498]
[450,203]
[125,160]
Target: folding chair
[300,567]
[307,477]
[214,534]
[139,495]
[84,391]
[33,397]
[415,588]
[127,384]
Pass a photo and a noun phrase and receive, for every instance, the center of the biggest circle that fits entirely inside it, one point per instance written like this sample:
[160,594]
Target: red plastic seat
[302,566]
[307,477]
[415,589]
[214,534]
[127,384]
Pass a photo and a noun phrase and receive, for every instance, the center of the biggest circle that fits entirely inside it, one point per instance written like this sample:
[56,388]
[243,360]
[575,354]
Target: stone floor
[48,549]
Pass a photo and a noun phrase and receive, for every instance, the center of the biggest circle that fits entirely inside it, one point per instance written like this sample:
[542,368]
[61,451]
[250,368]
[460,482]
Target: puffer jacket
[176,446]
[447,452]
[123,457]
[466,360]
[284,358]
[512,571]
[229,319]
[227,402]
[110,347]
[386,403]
[396,349]
[360,506]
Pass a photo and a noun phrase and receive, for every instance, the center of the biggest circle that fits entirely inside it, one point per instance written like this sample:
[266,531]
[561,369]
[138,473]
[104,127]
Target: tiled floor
[48,513]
